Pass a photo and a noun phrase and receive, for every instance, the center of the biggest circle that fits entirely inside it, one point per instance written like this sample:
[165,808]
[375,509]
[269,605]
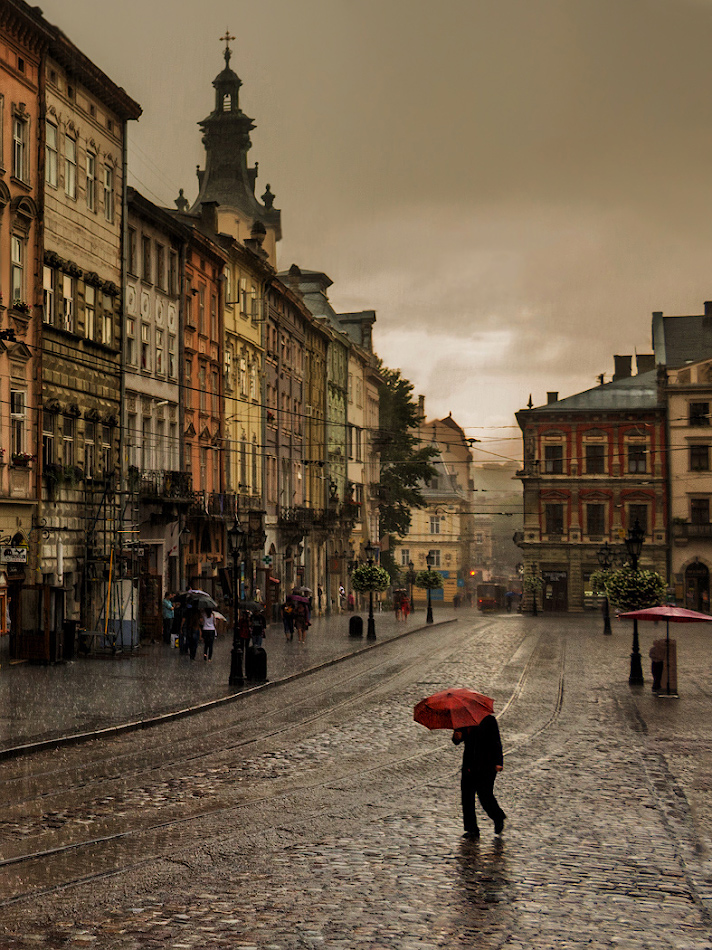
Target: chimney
[209,215]
[623,367]
[421,407]
[644,362]
[708,308]
[551,397]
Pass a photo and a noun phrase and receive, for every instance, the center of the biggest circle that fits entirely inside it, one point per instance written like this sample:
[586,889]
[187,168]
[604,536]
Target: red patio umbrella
[667,612]
[453,709]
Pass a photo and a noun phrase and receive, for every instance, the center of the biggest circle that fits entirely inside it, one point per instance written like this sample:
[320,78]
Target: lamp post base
[236,677]
[371,629]
[636,671]
[607,619]
[429,615]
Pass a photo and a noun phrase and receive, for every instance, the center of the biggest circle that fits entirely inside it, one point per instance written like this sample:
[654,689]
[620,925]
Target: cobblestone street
[607,843]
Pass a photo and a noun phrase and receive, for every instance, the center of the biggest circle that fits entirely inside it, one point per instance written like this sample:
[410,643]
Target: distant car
[490,596]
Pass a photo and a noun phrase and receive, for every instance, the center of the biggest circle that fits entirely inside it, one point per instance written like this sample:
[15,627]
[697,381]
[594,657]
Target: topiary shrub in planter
[370,577]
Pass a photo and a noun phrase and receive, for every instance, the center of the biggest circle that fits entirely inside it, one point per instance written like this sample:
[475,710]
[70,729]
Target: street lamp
[634,545]
[370,550]
[429,560]
[235,540]
[411,581]
[605,559]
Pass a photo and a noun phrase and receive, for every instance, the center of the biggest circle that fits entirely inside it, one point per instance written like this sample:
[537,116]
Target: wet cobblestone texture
[607,844]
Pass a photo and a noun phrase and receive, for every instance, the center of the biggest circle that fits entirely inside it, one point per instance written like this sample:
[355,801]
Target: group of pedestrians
[296,615]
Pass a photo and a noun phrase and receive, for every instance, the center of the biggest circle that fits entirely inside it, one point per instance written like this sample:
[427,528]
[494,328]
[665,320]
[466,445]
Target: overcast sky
[513,185]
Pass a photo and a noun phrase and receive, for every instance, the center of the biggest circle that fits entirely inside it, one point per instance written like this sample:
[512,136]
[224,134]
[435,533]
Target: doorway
[556,590]
[697,587]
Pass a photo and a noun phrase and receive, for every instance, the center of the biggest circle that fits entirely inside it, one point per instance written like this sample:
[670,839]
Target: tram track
[161,838]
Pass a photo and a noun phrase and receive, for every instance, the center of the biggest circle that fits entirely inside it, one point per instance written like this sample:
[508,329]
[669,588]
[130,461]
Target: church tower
[226,178]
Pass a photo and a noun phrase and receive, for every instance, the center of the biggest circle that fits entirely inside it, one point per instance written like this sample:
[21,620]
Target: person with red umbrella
[469,714]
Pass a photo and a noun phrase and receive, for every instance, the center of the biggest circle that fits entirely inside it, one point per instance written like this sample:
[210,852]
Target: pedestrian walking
[351,601]
[178,629]
[481,761]
[301,621]
[207,622]
[258,628]
[288,618]
[192,622]
[405,608]
[167,611]
[397,606]
[319,597]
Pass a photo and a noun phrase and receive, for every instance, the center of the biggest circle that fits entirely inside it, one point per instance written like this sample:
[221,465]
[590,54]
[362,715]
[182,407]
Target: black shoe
[471,835]
[499,826]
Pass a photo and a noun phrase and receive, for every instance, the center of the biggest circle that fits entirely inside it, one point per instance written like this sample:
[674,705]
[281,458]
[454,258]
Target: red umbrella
[667,613]
[453,709]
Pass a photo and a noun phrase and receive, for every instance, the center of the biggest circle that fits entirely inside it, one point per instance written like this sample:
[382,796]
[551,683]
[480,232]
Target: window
[215,387]
[434,555]
[203,459]
[243,378]
[255,485]
[108,193]
[699,413]
[89,312]
[47,439]
[243,298]
[173,273]
[554,519]
[228,373]
[201,310]
[146,445]
[202,380]
[68,441]
[173,447]
[637,458]
[19,148]
[435,524]
[51,154]
[699,458]
[254,303]
[146,258]
[213,317]
[17,420]
[253,382]
[638,513]
[161,445]
[159,352]
[172,355]
[91,181]
[161,266]
[17,276]
[133,263]
[595,459]
[68,303]
[189,383]
[554,459]
[48,294]
[70,167]
[107,450]
[131,341]
[700,510]
[107,322]
[89,449]
[404,556]
[188,458]
[595,520]
[145,344]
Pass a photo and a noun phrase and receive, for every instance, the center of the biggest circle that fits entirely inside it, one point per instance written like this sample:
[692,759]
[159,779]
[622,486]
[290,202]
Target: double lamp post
[606,558]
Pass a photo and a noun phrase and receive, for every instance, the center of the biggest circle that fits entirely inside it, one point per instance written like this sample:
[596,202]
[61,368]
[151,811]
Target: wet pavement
[40,703]
[608,842]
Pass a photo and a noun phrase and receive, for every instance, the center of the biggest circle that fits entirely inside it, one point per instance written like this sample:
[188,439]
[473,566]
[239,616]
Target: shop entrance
[697,587]
[556,590]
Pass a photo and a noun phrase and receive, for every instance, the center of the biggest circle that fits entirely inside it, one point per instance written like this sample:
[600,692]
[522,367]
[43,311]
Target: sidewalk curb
[80,737]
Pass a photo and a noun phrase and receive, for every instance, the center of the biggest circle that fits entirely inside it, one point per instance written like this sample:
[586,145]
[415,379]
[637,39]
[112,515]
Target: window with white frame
[17,276]
[108,193]
[201,309]
[213,317]
[91,181]
[435,524]
[107,321]
[19,148]
[202,383]
[68,440]
[89,448]
[228,368]
[243,377]
[215,388]
[70,167]
[18,420]
[134,439]
[146,445]
[107,449]
[131,341]
[51,162]
[253,381]
[172,355]
[254,303]
[48,424]
[145,346]
[243,296]
[173,447]
[161,445]
[434,555]
[89,312]
[404,556]
[68,303]
[159,352]
[48,298]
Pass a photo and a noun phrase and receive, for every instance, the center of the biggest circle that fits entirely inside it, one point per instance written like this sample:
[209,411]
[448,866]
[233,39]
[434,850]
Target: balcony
[162,486]
[686,532]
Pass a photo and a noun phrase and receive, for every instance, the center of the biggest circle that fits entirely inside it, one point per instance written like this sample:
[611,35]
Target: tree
[429,580]
[633,590]
[405,464]
[370,577]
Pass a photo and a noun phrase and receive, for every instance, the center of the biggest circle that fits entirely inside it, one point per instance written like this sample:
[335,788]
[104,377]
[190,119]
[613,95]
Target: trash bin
[69,630]
[356,626]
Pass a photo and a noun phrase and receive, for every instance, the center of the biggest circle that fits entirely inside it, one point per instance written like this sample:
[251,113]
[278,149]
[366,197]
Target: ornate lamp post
[370,550]
[236,540]
[429,560]
[634,545]
[411,581]
[605,559]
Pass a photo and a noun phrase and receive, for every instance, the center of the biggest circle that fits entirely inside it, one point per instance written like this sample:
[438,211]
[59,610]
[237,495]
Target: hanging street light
[634,545]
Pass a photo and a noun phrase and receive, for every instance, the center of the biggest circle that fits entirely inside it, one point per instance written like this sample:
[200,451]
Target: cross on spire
[226,40]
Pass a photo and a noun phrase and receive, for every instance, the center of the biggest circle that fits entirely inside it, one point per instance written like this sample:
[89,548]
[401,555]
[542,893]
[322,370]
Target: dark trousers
[193,638]
[208,640]
[167,627]
[480,785]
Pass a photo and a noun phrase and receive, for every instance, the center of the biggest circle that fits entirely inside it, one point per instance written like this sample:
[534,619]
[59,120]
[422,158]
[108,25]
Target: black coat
[483,747]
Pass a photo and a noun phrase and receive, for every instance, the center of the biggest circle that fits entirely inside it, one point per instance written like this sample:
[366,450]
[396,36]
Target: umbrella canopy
[298,598]
[667,612]
[453,709]
[252,605]
[196,598]
[218,616]
[302,591]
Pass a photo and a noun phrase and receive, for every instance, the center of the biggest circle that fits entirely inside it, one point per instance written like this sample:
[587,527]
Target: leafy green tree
[429,580]
[633,590]
[405,463]
[370,577]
